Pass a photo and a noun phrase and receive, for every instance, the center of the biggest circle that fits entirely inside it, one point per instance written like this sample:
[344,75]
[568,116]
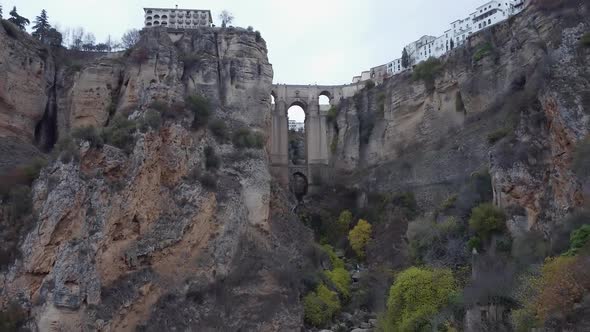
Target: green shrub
[449,203]
[120,133]
[498,134]
[483,51]
[201,108]
[381,103]
[159,106]
[359,237]
[244,138]
[582,159]
[258,36]
[487,219]
[66,150]
[20,203]
[319,307]
[578,239]
[341,280]
[218,129]
[415,297]
[369,84]
[332,114]
[334,260]
[212,161]
[343,222]
[427,71]
[151,119]
[474,243]
[585,40]
[208,181]
[11,29]
[89,134]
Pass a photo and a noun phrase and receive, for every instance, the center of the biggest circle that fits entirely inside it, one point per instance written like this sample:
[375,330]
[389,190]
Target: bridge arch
[316,129]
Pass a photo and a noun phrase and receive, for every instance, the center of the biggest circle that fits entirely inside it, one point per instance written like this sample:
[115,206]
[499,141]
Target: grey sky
[309,41]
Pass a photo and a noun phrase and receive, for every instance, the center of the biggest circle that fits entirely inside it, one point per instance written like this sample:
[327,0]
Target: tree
[54,37]
[343,223]
[359,237]
[415,297]
[77,34]
[0,11]
[486,219]
[42,26]
[19,21]
[405,59]
[226,18]
[130,38]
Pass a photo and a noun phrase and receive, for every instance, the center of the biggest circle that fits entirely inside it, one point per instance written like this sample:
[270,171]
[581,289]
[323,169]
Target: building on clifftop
[176,18]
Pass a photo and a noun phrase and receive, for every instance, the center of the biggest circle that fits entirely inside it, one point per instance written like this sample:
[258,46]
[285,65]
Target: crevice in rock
[46,130]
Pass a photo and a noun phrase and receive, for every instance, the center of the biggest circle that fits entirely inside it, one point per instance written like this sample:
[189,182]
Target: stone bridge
[316,129]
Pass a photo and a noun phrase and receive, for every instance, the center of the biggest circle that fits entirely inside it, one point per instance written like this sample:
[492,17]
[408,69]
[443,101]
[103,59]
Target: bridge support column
[279,142]
[317,147]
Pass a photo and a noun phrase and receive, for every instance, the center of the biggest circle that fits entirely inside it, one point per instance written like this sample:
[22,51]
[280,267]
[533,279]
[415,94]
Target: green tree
[415,297]
[487,219]
[54,37]
[0,11]
[42,26]
[359,237]
[343,222]
[320,306]
[19,21]
[405,59]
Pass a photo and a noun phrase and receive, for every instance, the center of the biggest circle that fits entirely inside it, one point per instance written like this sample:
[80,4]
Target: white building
[296,126]
[176,18]
[486,15]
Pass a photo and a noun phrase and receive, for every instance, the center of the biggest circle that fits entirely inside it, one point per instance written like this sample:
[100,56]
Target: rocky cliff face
[513,101]
[132,239]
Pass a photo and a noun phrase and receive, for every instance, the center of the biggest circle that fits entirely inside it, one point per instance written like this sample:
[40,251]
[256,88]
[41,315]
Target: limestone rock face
[27,73]
[135,240]
[530,92]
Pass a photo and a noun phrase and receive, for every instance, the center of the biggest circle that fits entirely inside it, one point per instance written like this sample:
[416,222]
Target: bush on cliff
[427,71]
[66,150]
[218,129]
[120,133]
[212,161]
[415,297]
[201,108]
[320,306]
[89,134]
[486,219]
[245,138]
[585,40]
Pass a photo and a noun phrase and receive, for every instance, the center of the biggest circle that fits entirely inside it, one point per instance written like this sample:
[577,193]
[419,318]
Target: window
[480,25]
[489,21]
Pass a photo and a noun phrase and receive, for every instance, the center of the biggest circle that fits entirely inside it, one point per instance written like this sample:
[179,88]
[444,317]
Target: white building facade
[176,18]
[486,15]
[296,126]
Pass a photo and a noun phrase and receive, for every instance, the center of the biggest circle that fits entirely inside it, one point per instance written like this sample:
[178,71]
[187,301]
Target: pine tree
[0,11]
[42,26]
[19,21]
[405,59]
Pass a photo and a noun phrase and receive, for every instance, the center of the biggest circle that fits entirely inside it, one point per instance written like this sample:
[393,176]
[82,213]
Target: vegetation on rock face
[487,219]
[320,306]
[341,280]
[218,129]
[415,297]
[332,114]
[121,133]
[369,84]
[578,240]
[585,40]
[245,138]
[427,71]
[483,51]
[89,134]
[359,237]
[498,134]
[212,161]
[201,108]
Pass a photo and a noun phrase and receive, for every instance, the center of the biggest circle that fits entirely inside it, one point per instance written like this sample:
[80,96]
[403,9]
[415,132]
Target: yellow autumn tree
[359,237]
